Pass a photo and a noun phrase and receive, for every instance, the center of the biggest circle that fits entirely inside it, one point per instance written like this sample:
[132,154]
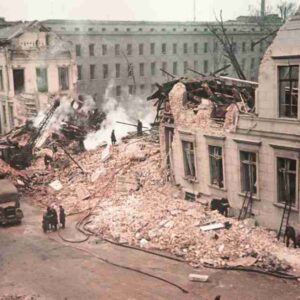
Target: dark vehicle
[10,212]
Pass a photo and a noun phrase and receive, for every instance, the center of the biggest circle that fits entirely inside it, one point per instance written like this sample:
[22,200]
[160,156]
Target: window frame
[211,157]
[61,87]
[46,89]
[191,140]
[242,177]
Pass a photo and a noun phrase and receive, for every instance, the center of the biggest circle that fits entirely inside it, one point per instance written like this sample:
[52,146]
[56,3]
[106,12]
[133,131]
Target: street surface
[34,263]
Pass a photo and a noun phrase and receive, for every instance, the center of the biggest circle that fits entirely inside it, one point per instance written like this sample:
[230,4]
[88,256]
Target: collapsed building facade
[226,138]
[36,65]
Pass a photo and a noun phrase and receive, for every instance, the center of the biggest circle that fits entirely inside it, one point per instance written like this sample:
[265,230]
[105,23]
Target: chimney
[262,8]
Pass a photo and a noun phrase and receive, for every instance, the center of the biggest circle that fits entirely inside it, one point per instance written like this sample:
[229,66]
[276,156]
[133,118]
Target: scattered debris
[198,277]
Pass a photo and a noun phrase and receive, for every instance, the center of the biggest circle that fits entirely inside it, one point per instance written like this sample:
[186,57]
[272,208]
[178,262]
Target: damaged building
[35,66]
[228,138]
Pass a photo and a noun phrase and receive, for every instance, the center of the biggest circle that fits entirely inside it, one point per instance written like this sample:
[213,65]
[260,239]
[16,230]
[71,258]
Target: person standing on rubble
[113,137]
[62,217]
[139,128]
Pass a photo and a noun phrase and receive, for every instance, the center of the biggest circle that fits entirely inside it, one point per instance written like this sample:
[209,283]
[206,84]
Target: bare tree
[228,44]
[286,9]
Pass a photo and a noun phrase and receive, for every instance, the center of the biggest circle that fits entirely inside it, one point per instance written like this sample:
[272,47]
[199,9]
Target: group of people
[51,219]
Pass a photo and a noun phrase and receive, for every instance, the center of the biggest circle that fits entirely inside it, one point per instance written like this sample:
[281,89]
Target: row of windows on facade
[152,48]
[41,79]
[140,29]
[286,171]
[153,68]
[141,70]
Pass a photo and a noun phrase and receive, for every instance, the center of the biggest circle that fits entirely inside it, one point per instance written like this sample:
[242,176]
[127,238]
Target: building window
[163,48]
[42,80]
[118,70]
[153,68]
[92,49]
[91,29]
[128,29]
[92,71]
[117,50]
[185,67]
[79,72]
[131,89]
[63,75]
[140,29]
[244,46]
[129,49]
[4,114]
[174,48]
[141,49]
[116,29]
[205,66]
[288,91]
[248,172]
[243,64]
[189,159]
[185,48]
[118,90]
[77,29]
[195,48]
[216,46]
[19,80]
[104,49]
[286,180]
[78,50]
[205,47]
[11,115]
[130,70]
[196,65]
[142,68]
[1,80]
[152,48]
[174,68]
[142,88]
[105,71]
[252,63]
[103,29]
[216,166]
[164,67]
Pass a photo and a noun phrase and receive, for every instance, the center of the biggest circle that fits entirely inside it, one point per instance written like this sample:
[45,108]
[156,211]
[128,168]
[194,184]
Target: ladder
[285,219]
[246,210]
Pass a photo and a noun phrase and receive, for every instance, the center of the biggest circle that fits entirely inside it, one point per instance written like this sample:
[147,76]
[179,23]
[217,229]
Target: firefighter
[54,219]
[139,128]
[113,137]
[62,217]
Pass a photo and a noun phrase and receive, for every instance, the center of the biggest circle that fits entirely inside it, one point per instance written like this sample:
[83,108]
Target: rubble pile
[125,187]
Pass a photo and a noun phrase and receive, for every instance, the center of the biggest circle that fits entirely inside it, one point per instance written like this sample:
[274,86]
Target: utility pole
[262,8]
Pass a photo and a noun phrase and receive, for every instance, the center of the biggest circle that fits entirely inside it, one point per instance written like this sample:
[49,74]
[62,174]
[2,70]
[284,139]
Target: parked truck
[10,211]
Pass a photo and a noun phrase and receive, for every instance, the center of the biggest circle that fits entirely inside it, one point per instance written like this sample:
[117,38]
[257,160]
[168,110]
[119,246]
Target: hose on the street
[126,267]
[277,274]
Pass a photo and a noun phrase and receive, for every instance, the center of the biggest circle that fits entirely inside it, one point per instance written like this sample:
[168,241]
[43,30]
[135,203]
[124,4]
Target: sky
[148,10]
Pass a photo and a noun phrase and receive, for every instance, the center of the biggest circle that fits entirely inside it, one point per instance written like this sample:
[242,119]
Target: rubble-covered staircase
[31,104]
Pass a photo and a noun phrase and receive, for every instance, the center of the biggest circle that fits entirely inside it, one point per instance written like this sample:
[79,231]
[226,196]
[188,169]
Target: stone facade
[268,139]
[33,64]
[105,49]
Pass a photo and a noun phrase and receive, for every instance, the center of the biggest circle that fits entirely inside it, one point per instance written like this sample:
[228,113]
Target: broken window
[164,48]
[117,50]
[141,49]
[216,166]
[286,174]
[288,91]
[1,80]
[118,70]
[118,90]
[105,71]
[78,50]
[79,72]
[152,48]
[188,159]
[129,49]
[63,75]
[185,48]
[104,49]
[190,196]
[19,81]
[142,68]
[92,49]
[153,68]
[42,79]
[195,48]
[92,71]
[174,48]
[174,68]
[248,172]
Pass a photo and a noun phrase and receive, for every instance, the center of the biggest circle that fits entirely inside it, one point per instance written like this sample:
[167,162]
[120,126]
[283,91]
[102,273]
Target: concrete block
[198,277]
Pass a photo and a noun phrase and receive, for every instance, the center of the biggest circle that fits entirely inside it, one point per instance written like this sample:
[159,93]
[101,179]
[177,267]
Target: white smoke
[128,109]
